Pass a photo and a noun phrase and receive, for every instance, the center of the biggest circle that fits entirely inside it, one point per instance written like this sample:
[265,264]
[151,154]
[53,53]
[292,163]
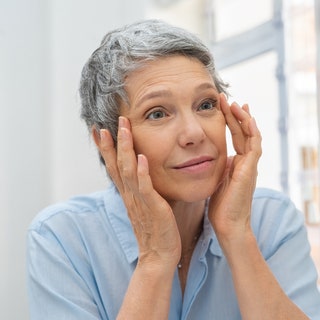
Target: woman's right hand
[151,216]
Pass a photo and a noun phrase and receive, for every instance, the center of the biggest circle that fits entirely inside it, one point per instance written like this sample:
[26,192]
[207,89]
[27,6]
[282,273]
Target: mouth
[199,162]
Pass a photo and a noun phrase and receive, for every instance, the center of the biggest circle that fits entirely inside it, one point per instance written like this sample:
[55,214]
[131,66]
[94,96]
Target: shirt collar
[118,217]
[209,238]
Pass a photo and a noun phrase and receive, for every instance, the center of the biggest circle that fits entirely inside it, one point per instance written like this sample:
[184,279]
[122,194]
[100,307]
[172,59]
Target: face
[174,111]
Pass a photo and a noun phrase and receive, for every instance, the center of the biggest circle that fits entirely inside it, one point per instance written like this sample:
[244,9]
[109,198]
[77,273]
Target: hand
[230,205]
[151,216]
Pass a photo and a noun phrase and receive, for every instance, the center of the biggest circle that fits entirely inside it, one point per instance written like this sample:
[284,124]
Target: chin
[193,194]
[199,196]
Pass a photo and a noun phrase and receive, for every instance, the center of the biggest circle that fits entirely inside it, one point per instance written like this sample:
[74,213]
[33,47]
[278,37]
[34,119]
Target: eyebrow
[206,85]
[167,93]
[155,94]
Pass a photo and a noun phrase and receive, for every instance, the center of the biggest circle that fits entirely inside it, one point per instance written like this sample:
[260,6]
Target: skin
[171,156]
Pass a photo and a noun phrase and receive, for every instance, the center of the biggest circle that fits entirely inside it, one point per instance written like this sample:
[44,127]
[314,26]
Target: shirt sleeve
[56,290]
[284,243]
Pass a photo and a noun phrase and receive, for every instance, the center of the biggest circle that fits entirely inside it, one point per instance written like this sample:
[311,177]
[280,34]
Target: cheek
[156,149]
[152,145]
[217,135]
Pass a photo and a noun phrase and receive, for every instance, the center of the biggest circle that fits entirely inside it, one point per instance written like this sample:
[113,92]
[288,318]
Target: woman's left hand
[230,205]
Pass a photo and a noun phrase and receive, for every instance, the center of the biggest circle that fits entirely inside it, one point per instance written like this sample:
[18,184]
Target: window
[231,16]
[253,81]
[277,52]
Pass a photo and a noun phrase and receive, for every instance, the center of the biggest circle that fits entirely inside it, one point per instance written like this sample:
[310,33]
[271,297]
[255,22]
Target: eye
[207,105]
[156,114]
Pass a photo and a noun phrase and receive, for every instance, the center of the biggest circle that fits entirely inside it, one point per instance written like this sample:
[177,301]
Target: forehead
[167,71]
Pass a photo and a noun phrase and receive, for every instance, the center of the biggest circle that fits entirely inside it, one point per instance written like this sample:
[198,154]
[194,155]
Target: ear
[96,136]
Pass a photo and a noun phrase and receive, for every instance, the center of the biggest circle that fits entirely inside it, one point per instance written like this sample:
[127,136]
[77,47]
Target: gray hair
[123,51]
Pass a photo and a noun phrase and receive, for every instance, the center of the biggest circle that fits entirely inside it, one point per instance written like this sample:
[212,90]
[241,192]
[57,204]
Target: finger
[237,134]
[242,117]
[146,190]
[126,157]
[255,140]
[245,107]
[109,154]
[144,179]
[250,138]
[233,115]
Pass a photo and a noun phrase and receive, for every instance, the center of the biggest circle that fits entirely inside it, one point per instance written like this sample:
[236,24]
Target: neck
[189,217]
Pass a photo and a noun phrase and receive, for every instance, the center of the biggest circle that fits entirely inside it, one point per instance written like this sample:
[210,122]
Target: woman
[181,232]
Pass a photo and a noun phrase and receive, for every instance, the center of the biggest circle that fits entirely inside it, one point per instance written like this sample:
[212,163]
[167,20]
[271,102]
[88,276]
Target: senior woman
[181,232]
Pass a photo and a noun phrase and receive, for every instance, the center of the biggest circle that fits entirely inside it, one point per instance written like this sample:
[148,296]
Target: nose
[190,131]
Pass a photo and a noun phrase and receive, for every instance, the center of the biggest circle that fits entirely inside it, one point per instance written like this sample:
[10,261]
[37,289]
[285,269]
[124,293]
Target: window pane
[236,16]
[254,82]
[304,131]
[189,14]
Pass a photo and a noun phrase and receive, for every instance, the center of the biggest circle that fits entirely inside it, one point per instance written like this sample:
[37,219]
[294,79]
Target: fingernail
[223,96]
[235,103]
[123,133]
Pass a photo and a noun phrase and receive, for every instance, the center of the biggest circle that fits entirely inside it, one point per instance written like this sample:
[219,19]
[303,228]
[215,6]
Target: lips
[194,162]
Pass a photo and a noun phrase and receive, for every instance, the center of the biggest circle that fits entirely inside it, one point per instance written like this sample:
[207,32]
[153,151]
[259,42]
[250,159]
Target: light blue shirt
[82,253]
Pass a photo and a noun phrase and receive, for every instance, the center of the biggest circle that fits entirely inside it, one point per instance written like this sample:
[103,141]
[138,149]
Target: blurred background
[268,50]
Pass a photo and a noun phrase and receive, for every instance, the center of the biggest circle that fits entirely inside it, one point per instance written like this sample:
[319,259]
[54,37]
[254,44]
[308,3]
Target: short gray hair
[124,50]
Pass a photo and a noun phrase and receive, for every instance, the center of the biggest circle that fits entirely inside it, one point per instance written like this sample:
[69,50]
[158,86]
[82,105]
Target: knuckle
[127,172]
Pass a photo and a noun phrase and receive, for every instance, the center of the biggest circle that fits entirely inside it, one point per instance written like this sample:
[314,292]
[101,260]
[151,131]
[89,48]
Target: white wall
[77,28]
[24,185]
[45,154]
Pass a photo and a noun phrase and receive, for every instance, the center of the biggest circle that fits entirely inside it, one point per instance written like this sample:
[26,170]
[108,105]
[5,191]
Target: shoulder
[275,218]
[270,194]
[77,208]
[275,207]
[274,204]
